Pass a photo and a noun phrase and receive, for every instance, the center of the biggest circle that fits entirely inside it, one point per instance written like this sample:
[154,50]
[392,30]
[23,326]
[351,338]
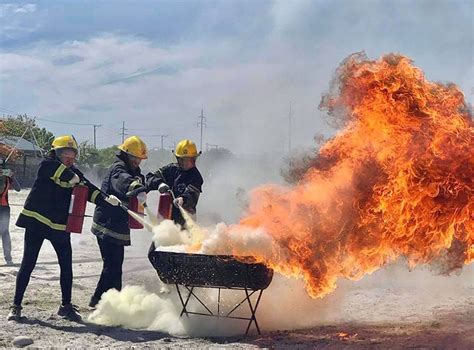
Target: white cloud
[113,78]
[28,8]
[13,23]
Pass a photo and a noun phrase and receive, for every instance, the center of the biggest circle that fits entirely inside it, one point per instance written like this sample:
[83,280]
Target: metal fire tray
[213,271]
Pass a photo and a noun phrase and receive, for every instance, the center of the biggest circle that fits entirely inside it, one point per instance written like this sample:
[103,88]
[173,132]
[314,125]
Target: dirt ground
[382,311]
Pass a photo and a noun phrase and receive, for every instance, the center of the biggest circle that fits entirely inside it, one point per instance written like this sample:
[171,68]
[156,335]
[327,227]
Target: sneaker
[10,263]
[70,312]
[15,313]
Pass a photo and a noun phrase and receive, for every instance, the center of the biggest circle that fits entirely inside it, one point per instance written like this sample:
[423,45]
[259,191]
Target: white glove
[6,172]
[179,202]
[112,200]
[163,188]
[141,198]
[75,180]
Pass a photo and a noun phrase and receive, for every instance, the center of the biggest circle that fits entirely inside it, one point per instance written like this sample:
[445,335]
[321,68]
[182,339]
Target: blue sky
[155,64]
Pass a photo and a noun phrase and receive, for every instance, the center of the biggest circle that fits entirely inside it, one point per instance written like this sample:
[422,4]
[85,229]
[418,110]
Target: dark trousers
[5,233]
[61,242]
[111,276]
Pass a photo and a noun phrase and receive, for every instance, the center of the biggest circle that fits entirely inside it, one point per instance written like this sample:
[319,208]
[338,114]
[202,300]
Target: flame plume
[396,181]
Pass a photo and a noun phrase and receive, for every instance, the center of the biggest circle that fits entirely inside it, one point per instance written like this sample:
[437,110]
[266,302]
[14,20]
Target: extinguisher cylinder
[135,206]
[165,205]
[77,209]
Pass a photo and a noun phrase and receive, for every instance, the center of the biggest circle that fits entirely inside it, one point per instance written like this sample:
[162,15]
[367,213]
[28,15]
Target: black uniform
[183,183]
[44,216]
[111,224]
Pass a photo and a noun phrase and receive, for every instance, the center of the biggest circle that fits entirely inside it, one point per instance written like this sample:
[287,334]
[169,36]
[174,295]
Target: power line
[66,123]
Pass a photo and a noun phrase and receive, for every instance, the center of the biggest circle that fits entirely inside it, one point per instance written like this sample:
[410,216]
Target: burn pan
[199,270]
[213,271]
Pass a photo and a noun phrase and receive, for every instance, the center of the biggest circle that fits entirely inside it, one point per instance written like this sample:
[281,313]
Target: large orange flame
[398,180]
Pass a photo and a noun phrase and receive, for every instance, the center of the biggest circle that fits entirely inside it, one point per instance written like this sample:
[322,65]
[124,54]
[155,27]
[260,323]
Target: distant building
[26,164]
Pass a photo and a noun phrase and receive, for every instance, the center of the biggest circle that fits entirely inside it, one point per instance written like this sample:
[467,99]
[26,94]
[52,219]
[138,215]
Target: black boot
[94,301]
[70,312]
[15,313]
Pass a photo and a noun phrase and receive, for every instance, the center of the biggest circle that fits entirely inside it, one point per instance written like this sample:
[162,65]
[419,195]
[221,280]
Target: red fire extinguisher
[77,208]
[133,205]
[165,205]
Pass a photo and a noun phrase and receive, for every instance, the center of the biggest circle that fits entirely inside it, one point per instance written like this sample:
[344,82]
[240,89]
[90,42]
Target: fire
[396,181]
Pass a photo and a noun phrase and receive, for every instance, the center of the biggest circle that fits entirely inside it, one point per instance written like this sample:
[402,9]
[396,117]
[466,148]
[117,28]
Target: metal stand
[248,294]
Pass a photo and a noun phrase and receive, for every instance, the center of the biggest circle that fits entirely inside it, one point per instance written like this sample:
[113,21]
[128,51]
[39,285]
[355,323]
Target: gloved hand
[112,200]
[141,198]
[136,191]
[179,202]
[75,180]
[6,172]
[163,188]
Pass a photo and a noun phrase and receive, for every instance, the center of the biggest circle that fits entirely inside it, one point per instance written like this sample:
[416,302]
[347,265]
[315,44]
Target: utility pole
[123,131]
[202,123]
[162,138]
[290,120]
[95,128]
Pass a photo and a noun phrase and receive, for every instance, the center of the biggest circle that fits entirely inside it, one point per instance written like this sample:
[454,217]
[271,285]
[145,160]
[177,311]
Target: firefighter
[7,181]
[45,215]
[182,178]
[111,225]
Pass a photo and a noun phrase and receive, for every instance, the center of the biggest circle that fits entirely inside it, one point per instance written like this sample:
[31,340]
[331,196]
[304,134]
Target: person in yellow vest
[7,181]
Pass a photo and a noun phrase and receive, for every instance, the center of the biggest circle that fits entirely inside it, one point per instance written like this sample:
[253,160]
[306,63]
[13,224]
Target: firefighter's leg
[62,245]
[112,255]
[118,257]
[33,242]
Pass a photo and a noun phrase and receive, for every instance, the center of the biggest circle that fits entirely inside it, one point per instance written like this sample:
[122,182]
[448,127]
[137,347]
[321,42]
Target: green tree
[90,156]
[16,126]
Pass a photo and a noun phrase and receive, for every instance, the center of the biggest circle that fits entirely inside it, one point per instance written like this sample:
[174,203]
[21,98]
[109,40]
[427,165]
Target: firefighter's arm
[57,172]
[122,183]
[95,195]
[154,180]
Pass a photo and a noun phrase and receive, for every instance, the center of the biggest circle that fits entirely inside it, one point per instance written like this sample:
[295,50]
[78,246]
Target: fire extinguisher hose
[121,205]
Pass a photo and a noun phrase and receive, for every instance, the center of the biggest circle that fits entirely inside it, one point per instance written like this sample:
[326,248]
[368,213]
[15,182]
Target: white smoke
[219,240]
[168,234]
[136,308]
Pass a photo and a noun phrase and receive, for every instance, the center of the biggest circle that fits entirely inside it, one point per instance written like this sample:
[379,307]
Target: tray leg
[253,310]
[184,303]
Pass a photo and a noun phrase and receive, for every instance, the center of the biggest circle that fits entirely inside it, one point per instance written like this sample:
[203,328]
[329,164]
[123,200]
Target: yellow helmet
[186,148]
[66,141]
[134,146]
